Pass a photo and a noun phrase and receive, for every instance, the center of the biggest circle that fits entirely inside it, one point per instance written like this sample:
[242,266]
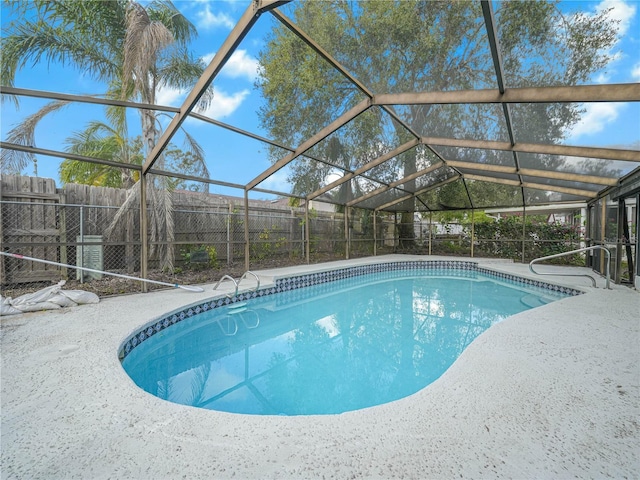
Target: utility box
[89,256]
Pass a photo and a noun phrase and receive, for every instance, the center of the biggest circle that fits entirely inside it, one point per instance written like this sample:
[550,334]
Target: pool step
[237,310]
[533,301]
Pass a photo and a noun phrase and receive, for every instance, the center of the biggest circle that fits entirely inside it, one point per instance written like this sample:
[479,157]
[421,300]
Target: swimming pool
[326,342]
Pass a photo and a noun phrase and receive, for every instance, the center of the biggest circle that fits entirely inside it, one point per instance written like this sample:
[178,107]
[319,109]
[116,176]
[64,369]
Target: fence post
[246,229]
[621,220]
[473,225]
[524,215]
[63,240]
[603,230]
[396,230]
[129,250]
[229,249]
[346,232]
[144,247]
[430,229]
[81,243]
[306,232]
[292,233]
[375,234]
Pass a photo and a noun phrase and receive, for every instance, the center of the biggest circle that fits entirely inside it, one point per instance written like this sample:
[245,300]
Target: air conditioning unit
[89,256]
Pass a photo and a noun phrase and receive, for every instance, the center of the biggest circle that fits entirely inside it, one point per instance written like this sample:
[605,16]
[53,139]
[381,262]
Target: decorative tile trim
[294,286]
[529,282]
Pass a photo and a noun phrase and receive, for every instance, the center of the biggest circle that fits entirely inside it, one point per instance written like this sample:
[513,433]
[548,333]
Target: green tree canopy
[418,46]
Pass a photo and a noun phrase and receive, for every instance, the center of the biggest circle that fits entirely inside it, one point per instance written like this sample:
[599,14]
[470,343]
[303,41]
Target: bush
[503,238]
[192,256]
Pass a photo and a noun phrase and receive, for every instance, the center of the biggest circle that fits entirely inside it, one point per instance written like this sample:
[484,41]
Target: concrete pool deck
[553,392]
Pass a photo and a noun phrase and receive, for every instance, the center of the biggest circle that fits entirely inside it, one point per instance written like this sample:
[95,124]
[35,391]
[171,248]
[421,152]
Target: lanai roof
[510,154]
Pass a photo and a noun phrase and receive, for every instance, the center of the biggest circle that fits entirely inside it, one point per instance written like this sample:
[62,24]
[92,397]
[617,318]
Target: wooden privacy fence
[39,229]
[70,225]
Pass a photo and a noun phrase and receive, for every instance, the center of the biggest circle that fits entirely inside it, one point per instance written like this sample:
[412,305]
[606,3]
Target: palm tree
[135,50]
[99,140]
[103,141]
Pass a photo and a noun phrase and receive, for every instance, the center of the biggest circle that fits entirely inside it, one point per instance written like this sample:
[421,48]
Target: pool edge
[326,274]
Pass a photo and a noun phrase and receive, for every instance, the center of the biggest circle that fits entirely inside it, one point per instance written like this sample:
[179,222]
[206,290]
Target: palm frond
[97,140]
[117,116]
[193,147]
[24,134]
[73,171]
[164,11]
[199,382]
[152,218]
[179,69]
[144,40]
[34,41]
[132,202]
[169,256]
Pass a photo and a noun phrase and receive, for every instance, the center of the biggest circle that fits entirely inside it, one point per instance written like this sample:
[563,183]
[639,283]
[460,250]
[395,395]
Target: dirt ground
[111,285]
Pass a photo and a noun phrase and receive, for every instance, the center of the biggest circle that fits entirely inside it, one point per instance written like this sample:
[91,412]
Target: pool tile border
[453,267]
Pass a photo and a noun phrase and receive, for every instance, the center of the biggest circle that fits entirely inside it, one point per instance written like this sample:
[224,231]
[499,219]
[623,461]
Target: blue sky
[234,158]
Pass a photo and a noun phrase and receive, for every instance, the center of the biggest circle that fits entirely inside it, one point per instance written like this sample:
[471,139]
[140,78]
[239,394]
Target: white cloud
[596,118]
[170,96]
[224,104]
[333,175]
[621,11]
[277,182]
[207,20]
[240,64]
[635,72]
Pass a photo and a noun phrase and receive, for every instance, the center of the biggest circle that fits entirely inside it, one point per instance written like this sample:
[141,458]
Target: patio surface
[549,393]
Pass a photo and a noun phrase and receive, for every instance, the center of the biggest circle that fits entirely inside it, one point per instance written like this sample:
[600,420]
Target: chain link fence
[203,238]
[206,245]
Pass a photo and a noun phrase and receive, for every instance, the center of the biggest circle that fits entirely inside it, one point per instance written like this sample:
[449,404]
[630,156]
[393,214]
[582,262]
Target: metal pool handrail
[230,278]
[237,283]
[593,280]
[244,275]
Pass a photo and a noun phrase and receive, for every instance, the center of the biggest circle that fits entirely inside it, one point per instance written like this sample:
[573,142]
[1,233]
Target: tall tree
[134,49]
[421,46]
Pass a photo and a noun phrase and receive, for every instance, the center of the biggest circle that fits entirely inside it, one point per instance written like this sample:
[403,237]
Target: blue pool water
[327,348]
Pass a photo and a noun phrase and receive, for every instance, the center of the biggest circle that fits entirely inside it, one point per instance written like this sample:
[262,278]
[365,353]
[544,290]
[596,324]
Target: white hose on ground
[24,257]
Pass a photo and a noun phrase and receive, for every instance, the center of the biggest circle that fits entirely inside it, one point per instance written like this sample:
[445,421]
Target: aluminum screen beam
[193,178]
[620,92]
[494,45]
[70,156]
[487,12]
[395,184]
[536,186]
[419,192]
[368,166]
[244,25]
[529,172]
[126,166]
[147,106]
[26,92]
[547,149]
[302,35]
[309,143]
